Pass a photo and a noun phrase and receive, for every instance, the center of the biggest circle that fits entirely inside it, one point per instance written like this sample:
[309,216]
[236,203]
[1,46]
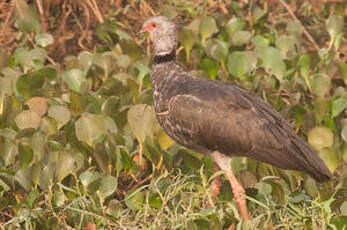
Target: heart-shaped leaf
[60,113]
[234,25]
[44,39]
[187,39]
[334,25]
[241,37]
[272,60]
[30,84]
[338,106]
[320,84]
[38,105]
[239,64]
[286,43]
[76,80]
[66,165]
[320,137]
[134,200]
[207,28]
[28,119]
[108,185]
[330,158]
[304,65]
[90,127]
[141,121]
[88,177]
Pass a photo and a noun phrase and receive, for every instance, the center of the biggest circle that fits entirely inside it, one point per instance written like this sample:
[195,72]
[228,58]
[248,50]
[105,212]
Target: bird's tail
[311,163]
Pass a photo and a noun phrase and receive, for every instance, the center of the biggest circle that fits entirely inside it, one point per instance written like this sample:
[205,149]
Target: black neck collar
[158,59]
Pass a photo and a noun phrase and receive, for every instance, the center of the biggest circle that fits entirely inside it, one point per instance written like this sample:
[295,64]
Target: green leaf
[27,119]
[90,127]
[27,20]
[155,201]
[330,158]
[134,200]
[85,59]
[105,61]
[44,39]
[131,48]
[304,65]
[65,165]
[259,40]
[4,186]
[342,70]
[272,60]
[108,186]
[187,39]
[76,80]
[338,106]
[127,161]
[320,137]
[38,105]
[59,199]
[344,135]
[141,120]
[29,85]
[210,67]
[320,84]
[294,28]
[143,70]
[25,154]
[234,25]
[60,113]
[114,208]
[311,187]
[263,188]
[219,50]
[207,27]
[111,105]
[32,197]
[123,61]
[241,37]
[286,43]
[22,176]
[343,208]
[334,25]
[88,177]
[239,64]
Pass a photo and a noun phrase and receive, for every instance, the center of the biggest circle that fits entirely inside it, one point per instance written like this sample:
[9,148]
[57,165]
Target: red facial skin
[149,29]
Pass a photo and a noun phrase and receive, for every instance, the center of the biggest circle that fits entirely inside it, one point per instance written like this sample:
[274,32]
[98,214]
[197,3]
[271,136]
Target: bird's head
[162,33]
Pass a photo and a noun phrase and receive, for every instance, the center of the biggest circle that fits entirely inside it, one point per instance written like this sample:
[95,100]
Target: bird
[221,119]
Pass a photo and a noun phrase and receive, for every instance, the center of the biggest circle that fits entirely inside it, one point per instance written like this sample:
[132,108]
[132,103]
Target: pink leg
[224,162]
[216,183]
[239,193]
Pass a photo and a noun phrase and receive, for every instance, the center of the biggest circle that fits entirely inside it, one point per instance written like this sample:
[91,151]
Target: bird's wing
[234,121]
[230,125]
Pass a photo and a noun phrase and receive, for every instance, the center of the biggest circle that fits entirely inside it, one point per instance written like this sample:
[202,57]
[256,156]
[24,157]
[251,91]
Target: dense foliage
[80,145]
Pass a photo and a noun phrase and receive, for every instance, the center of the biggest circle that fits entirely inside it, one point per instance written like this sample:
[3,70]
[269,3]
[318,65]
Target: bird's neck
[166,57]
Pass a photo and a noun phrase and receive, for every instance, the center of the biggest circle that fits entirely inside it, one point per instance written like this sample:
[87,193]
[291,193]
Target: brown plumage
[206,115]
[215,117]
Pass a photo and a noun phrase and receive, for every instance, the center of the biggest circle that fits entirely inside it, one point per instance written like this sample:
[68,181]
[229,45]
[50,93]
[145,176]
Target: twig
[96,10]
[307,34]
[7,19]
[42,15]
[149,7]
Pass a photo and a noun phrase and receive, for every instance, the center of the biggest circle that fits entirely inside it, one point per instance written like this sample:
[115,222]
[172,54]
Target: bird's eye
[153,24]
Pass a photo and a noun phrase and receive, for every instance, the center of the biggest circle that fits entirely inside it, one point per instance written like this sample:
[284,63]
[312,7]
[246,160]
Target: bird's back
[206,115]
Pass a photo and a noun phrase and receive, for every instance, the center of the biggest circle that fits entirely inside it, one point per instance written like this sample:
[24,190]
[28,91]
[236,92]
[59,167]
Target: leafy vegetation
[80,147]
